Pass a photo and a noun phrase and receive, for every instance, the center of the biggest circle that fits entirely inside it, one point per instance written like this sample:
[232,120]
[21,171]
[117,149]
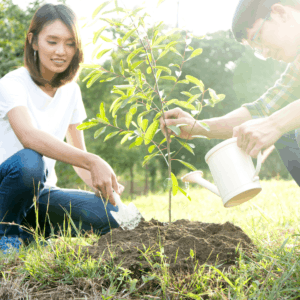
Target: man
[272,29]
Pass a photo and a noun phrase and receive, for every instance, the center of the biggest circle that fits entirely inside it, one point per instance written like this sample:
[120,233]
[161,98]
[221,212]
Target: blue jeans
[289,151]
[22,177]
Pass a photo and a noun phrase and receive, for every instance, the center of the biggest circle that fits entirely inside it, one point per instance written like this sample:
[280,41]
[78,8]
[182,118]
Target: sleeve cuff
[255,110]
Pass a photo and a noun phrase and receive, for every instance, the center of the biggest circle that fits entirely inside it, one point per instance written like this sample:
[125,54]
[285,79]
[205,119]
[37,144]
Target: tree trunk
[131,181]
[146,188]
[153,178]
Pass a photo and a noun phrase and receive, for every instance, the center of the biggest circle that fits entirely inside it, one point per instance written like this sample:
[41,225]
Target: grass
[63,271]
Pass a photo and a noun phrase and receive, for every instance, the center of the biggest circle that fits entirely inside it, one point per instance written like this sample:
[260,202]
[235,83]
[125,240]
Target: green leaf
[90,74]
[174,65]
[184,81]
[186,146]
[133,54]
[149,70]
[128,119]
[128,34]
[87,125]
[110,135]
[160,2]
[115,121]
[174,184]
[102,110]
[136,64]
[175,51]
[151,132]
[125,138]
[99,8]
[196,53]
[187,164]
[122,67]
[144,124]
[196,81]
[171,44]
[221,97]
[175,129]
[149,157]
[99,132]
[101,53]
[138,141]
[108,79]
[157,115]
[151,148]
[187,94]
[163,53]
[124,87]
[193,98]
[106,39]
[96,50]
[185,105]
[159,40]
[102,120]
[115,103]
[189,197]
[204,125]
[165,69]
[97,34]
[163,141]
[171,102]
[115,109]
[173,78]
[93,79]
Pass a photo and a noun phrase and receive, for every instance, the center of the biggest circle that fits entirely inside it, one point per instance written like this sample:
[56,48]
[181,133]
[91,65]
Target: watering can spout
[196,177]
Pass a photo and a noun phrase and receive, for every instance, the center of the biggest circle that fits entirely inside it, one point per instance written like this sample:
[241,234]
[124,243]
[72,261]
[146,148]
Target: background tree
[14,23]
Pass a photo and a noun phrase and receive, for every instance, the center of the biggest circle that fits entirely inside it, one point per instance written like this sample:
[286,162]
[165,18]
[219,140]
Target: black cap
[247,12]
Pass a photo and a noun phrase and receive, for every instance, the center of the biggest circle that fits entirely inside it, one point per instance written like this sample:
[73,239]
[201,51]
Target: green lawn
[270,220]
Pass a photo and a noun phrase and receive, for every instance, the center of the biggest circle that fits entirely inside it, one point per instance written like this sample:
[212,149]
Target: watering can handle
[258,166]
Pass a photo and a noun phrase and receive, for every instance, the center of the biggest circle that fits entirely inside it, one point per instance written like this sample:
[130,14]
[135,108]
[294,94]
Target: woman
[40,105]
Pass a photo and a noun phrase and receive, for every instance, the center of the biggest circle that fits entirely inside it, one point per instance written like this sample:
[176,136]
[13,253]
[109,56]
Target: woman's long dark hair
[45,15]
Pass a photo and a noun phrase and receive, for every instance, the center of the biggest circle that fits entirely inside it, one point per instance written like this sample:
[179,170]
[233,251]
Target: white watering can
[233,172]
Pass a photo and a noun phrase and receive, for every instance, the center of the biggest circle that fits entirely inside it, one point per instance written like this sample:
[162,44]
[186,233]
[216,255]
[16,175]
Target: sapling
[137,51]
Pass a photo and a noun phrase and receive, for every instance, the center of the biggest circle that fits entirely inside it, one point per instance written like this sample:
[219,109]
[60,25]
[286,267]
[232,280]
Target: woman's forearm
[50,146]
[287,118]
[85,175]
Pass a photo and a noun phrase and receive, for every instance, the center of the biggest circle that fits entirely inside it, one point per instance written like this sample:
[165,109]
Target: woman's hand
[104,179]
[178,116]
[255,135]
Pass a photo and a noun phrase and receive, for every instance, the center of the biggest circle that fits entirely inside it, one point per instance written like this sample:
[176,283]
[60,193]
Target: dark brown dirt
[139,249]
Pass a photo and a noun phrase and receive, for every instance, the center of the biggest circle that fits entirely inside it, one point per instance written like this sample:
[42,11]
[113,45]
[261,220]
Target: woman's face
[56,49]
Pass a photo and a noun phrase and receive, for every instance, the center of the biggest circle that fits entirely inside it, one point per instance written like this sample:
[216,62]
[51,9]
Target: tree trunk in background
[146,188]
[153,178]
[131,181]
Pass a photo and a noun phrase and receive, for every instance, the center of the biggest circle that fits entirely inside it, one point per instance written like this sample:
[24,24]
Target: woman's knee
[32,167]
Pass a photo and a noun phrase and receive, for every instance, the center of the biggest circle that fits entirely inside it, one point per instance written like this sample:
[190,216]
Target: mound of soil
[180,245]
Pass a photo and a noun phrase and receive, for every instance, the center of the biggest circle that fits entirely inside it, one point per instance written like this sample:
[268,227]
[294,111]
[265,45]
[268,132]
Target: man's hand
[255,135]
[178,116]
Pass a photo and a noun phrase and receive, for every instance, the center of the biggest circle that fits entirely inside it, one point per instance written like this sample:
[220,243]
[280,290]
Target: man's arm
[220,128]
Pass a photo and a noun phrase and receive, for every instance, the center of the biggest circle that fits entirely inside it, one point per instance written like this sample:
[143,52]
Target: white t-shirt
[50,114]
